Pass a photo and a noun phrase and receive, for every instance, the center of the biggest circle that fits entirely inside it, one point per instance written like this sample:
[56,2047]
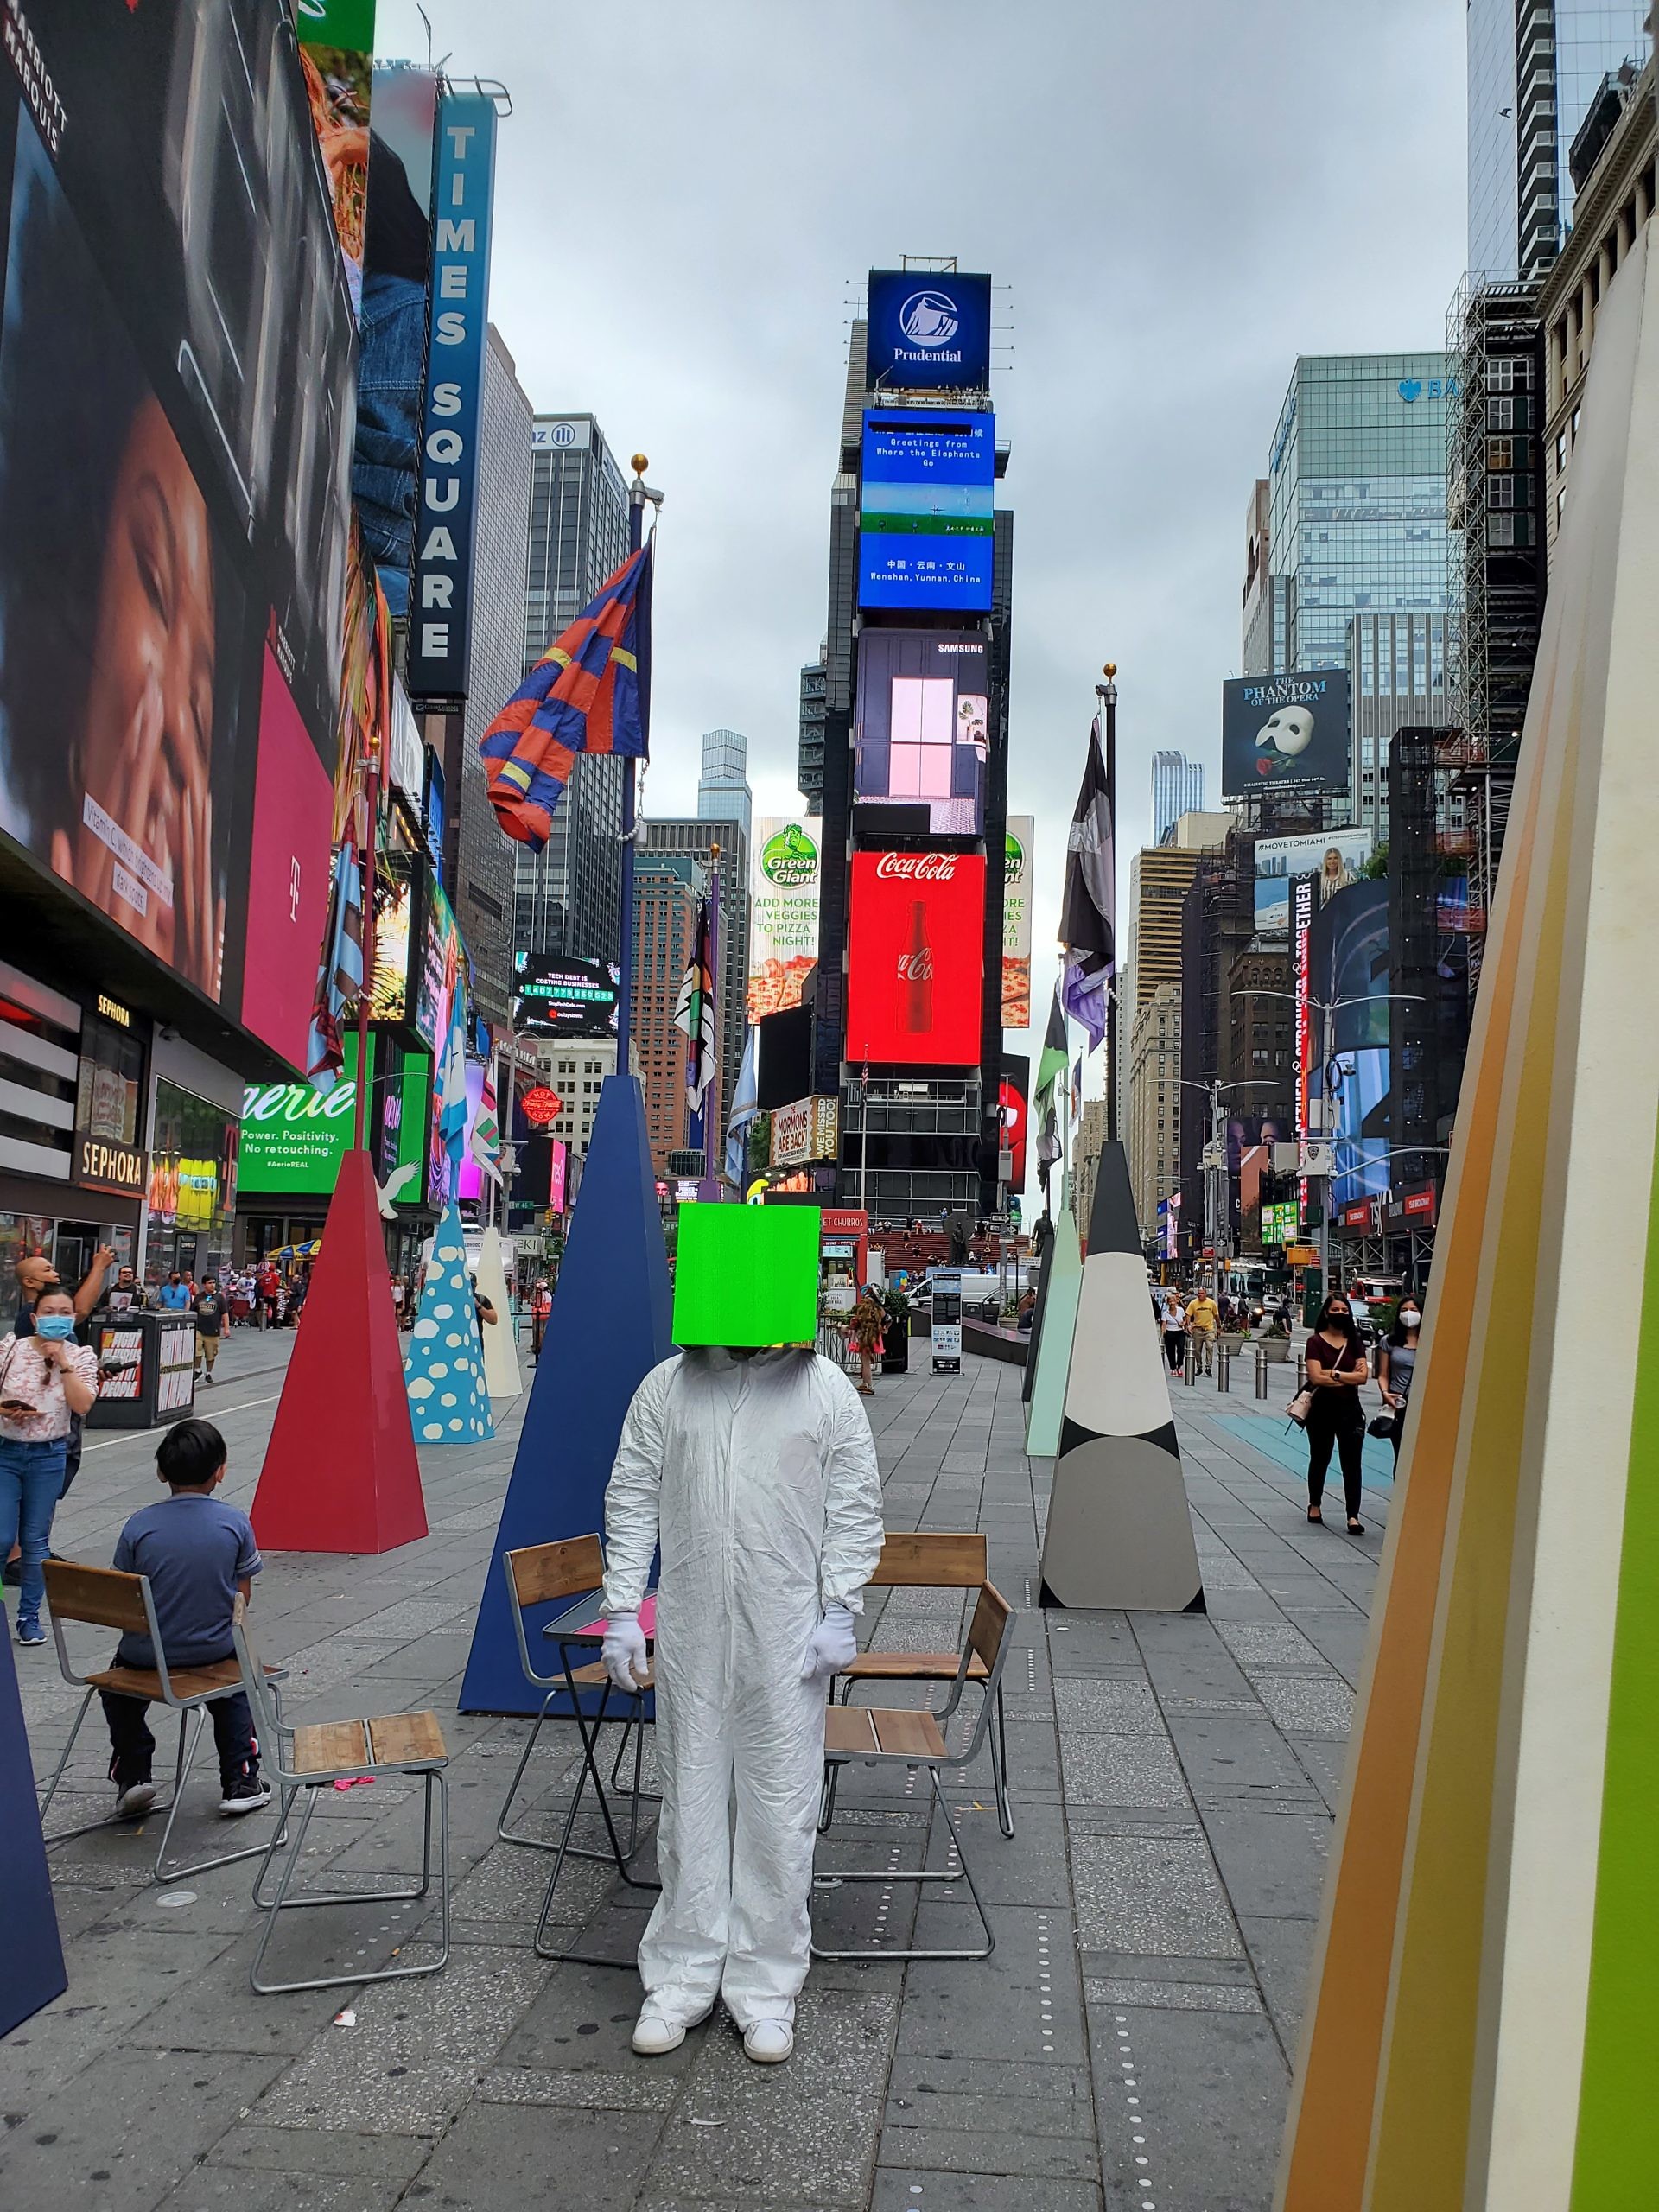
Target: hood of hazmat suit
[757,1475]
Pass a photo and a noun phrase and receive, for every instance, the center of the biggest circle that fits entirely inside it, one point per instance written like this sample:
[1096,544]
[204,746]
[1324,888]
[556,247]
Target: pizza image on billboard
[1287,732]
[916,959]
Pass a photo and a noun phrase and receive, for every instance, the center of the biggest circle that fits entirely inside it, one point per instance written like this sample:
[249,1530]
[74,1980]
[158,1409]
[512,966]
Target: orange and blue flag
[588,693]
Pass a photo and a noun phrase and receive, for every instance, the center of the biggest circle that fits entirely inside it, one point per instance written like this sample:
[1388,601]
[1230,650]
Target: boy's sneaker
[137,1798]
[30,1632]
[243,1793]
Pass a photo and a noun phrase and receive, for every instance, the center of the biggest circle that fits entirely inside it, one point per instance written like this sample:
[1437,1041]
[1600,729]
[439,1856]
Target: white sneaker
[769,2042]
[137,1798]
[655,2036]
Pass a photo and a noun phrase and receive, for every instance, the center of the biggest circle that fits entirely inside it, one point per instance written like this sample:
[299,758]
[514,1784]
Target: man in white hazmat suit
[756,1473]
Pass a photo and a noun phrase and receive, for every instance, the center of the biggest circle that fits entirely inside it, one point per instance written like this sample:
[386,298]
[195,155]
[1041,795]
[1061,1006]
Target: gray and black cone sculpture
[1119,1532]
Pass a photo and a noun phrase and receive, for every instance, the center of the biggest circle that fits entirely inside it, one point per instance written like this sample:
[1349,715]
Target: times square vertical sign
[441,607]
[1301,923]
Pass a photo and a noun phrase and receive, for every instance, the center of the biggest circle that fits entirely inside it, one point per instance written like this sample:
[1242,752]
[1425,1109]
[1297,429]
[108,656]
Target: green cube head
[747,1275]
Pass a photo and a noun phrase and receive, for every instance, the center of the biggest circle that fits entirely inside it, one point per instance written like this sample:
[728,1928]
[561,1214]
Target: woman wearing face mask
[44,1379]
[1337,1370]
[1395,1363]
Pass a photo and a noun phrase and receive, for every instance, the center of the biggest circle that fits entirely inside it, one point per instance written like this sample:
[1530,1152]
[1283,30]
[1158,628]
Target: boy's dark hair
[190,1454]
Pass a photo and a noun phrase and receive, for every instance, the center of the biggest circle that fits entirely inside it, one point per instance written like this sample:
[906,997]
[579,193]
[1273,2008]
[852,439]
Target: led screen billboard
[922,728]
[1347,969]
[784,871]
[1014,1096]
[556,997]
[928,331]
[915,959]
[1284,733]
[397,281]
[1018,848]
[925,526]
[1338,857]
[176,396]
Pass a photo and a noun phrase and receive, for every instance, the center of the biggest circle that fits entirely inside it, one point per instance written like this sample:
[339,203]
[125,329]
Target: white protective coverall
[758,1477]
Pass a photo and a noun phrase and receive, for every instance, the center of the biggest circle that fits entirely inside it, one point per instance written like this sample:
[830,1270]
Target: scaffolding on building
[1495,539]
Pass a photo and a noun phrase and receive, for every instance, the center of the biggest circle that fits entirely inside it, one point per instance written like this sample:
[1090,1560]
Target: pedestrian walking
[210,1309]
[866,1326]
[270,1285]
[175,1294]
[1337,1370]
[1173,1322]
[1202,1319]
[1395,1364]
[46,1381]
[541,1305]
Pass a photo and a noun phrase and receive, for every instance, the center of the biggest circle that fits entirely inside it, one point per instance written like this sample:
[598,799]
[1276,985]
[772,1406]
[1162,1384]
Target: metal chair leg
[964,1874]
[1000,1769]
[577,1850]
[282,1901]
[87,1827]
[161,1873]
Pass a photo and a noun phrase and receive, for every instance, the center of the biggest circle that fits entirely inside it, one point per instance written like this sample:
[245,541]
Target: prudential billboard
[928,332]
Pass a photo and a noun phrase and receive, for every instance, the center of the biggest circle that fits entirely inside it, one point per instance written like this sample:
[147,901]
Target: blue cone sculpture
[608,1328]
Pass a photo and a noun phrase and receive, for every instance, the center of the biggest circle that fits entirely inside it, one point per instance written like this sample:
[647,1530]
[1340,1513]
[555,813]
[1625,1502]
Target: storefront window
[20,1235]
[108,1098]
[192,1185]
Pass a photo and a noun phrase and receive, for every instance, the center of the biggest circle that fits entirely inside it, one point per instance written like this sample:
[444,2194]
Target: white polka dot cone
[443,1368]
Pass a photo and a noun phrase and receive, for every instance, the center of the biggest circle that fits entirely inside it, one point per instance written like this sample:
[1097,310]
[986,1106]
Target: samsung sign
[439,625]
[928,333]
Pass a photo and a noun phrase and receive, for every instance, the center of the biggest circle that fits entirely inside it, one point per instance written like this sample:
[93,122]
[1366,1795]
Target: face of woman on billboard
[141,846]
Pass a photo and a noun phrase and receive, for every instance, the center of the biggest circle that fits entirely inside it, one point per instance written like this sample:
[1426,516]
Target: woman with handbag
[1395,1363]
[1337,1370]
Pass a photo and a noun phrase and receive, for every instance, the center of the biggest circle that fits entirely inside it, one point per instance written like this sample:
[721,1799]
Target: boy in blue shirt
[199,1552]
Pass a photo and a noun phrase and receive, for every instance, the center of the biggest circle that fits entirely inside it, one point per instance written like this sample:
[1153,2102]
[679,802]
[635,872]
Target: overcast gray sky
[1174,200]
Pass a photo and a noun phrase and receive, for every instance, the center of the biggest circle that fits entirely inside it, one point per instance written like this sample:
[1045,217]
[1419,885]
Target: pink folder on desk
[647,1617]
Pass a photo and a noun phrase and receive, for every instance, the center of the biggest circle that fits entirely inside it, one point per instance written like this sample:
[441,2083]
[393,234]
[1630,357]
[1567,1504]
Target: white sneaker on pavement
[769,2042]
[655,2034]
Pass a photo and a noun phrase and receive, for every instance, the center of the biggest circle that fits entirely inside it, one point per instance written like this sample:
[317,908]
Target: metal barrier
[1301,1373]
[1189,1365]
[1223,1368]
[1260,1371]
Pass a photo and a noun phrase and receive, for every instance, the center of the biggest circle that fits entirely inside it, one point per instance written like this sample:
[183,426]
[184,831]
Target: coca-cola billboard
[916,959]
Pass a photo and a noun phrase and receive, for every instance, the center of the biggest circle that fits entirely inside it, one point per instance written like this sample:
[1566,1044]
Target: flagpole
[1107,693]
[371,792]
[637,498]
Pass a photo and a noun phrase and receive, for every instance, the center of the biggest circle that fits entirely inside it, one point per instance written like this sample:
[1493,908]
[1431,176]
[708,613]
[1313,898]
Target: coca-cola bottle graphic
[916,976]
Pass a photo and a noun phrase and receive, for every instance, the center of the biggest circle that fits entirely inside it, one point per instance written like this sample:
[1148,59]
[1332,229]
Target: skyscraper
[1356,500]
[698,837]
[1177,788]
[481,884]
[1535,68]
[666,889]
[809,771]
[567,899]
[723,793]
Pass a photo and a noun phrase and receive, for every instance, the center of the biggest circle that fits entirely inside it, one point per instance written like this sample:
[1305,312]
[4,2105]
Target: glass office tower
[567,899]
[1534,67]
[1177,788]
[1357,493]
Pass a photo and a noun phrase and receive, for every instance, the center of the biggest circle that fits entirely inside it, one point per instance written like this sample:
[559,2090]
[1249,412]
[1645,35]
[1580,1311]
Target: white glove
[832,1646]
[623,1652]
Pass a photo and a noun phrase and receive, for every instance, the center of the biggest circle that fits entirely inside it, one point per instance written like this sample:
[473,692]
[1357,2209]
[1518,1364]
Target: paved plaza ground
[1126,2049]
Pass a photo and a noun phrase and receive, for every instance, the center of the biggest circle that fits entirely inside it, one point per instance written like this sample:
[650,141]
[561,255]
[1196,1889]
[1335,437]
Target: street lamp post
[1215,1166]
